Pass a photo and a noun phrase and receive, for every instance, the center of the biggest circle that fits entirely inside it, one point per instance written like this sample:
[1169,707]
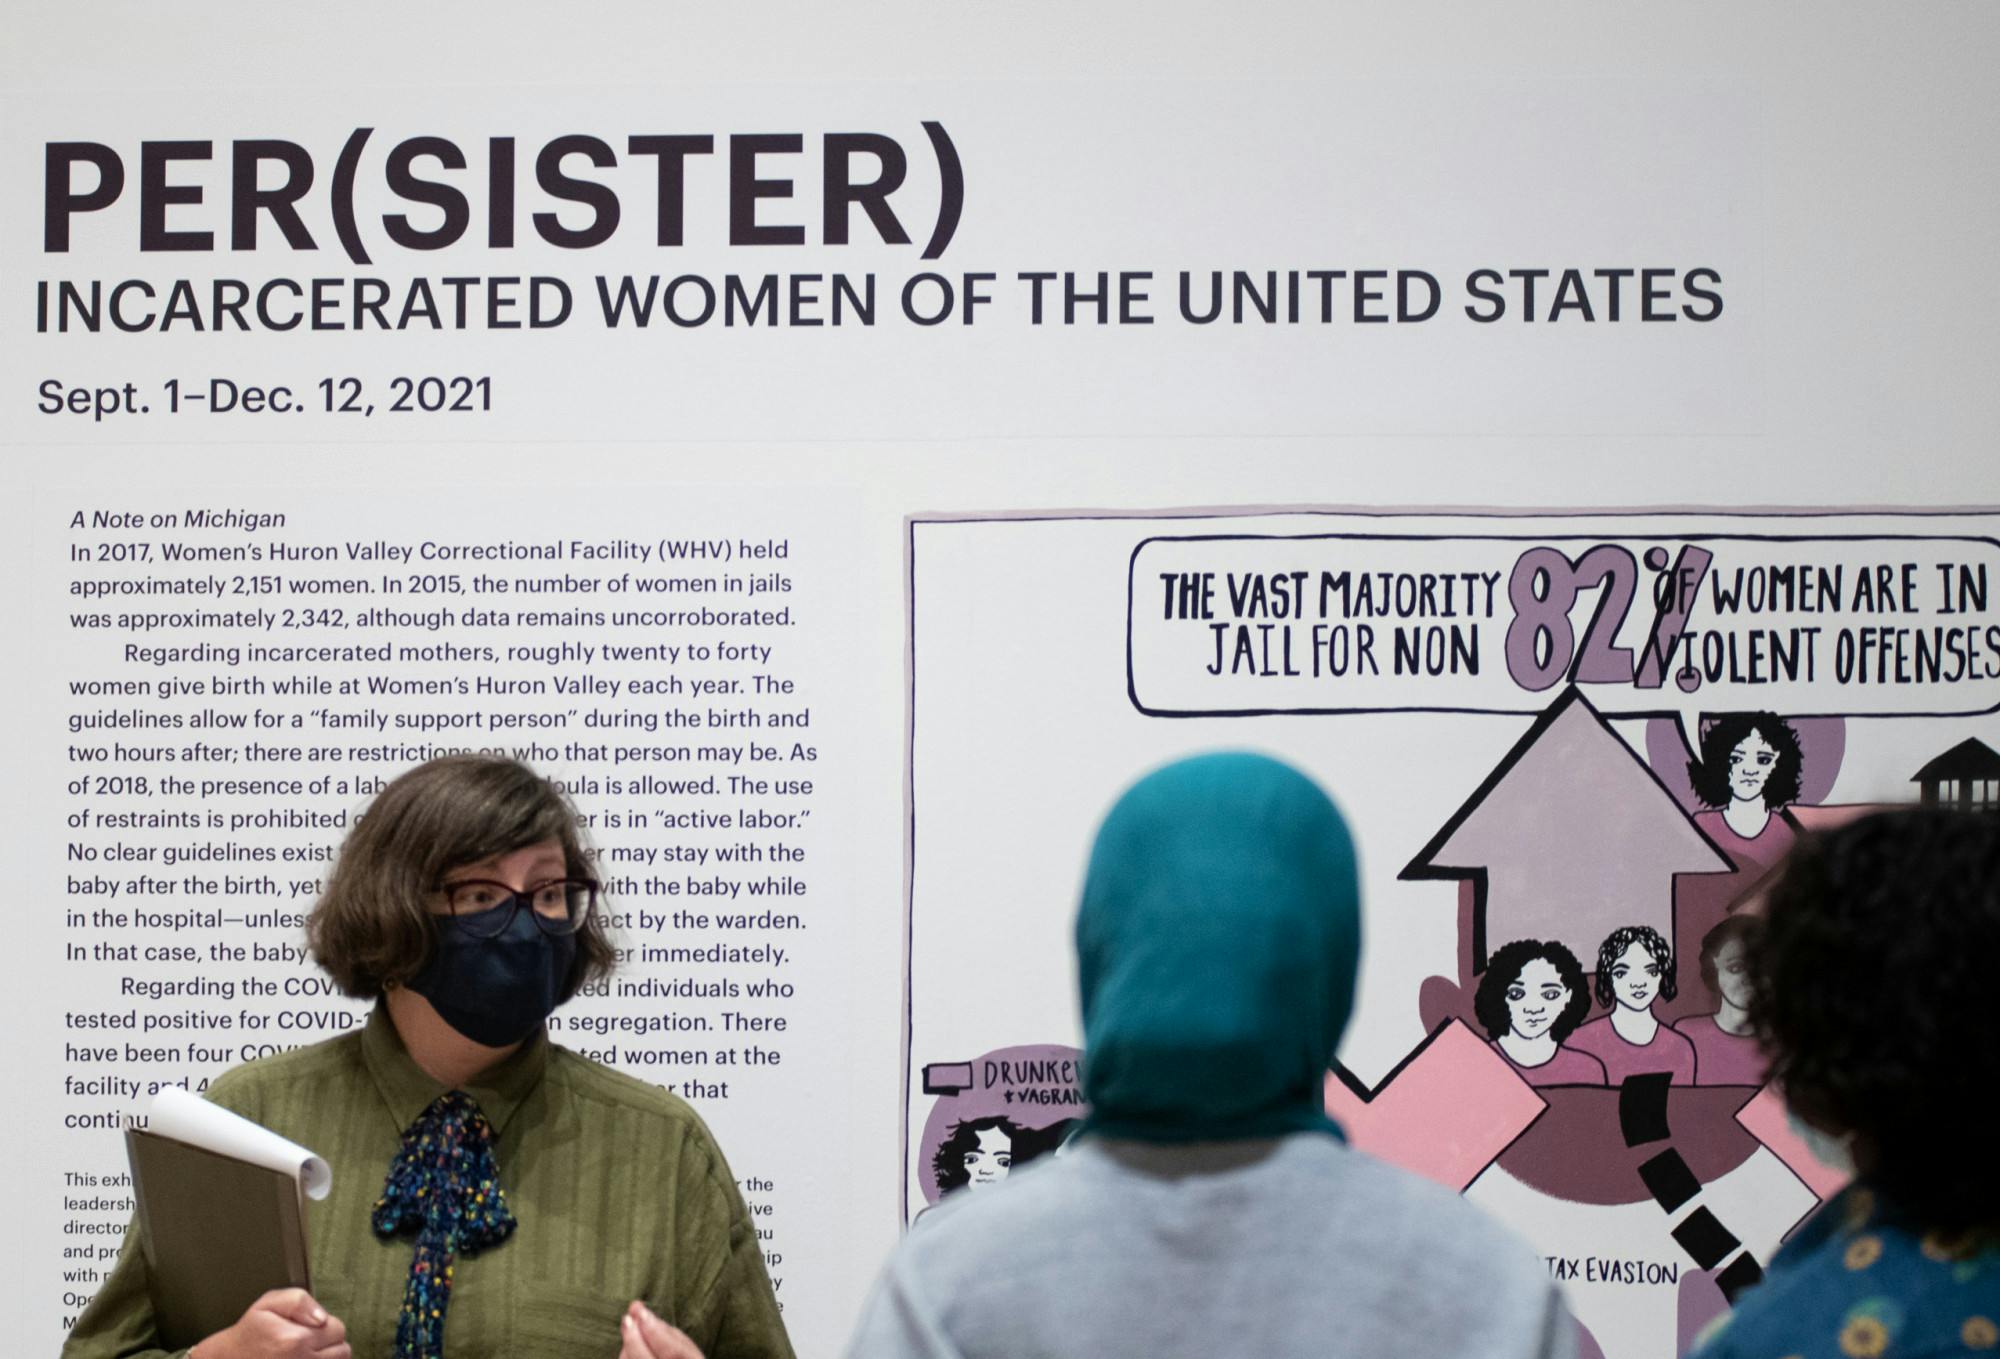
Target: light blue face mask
[496,991]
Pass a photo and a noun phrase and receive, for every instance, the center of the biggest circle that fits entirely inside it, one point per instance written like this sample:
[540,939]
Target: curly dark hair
[948,1164]
[1710,773]
[1872,994]
[1613,949]
[1503,969]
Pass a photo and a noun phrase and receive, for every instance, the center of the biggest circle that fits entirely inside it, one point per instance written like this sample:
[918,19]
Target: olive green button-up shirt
[619,1191]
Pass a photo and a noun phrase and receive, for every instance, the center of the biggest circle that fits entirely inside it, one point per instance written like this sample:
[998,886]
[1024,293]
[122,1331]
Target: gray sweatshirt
[1291,1246]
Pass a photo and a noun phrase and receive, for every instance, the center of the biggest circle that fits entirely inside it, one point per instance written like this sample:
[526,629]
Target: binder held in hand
[221,1213]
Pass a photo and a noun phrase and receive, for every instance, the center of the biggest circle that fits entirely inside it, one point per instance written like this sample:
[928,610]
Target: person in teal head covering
[1217,946]
[1208,1206]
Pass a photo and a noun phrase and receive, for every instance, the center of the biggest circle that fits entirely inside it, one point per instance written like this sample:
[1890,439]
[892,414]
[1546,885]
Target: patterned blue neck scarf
[444,1186]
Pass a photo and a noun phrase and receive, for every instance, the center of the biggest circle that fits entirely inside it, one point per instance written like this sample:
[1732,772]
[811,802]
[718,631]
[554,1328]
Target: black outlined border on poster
[1367,1093]
[905,1096]
[1531,699]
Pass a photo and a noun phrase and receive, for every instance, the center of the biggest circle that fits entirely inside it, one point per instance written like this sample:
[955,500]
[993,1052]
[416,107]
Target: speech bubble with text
[1247,625]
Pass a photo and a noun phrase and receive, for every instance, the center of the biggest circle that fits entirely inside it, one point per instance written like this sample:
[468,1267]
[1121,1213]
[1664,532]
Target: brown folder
[218,1233]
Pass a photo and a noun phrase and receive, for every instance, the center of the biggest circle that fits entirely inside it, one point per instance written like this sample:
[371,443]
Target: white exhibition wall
[859,551]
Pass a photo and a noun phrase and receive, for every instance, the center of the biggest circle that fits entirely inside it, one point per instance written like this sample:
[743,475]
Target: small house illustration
[1967,777]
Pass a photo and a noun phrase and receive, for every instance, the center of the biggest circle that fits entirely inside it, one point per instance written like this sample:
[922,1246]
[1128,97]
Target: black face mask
[496,991]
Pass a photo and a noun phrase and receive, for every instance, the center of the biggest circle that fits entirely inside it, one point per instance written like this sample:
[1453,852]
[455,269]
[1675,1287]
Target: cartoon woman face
[1536,999]
[1730,976]
[989,1162]
[1635,977]
[1750,766]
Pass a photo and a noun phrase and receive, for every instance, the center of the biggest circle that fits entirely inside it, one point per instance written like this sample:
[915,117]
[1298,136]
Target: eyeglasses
[485,909]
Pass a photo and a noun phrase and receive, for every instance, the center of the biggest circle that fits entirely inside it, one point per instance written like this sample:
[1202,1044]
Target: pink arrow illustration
[1570,837]
[1446,1112]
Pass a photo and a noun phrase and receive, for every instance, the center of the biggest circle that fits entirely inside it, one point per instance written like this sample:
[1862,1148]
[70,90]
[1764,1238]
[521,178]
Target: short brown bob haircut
[370,929]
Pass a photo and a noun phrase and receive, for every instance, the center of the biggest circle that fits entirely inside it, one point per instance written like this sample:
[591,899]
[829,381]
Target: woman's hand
[645,1336]
[283,1324]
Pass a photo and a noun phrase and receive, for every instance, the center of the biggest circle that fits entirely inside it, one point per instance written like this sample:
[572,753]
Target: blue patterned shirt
[1859,1281]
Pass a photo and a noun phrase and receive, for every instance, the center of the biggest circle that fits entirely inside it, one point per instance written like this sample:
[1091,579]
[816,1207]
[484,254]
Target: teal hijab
[1216,946]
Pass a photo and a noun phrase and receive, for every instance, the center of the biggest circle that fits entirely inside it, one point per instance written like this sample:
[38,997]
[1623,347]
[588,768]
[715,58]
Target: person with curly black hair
[1635,967]
[1748,773]
[1530,998]
[1871,990]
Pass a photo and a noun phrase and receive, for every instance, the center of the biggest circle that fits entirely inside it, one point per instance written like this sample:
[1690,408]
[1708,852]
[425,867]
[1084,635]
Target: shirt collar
[408,1089]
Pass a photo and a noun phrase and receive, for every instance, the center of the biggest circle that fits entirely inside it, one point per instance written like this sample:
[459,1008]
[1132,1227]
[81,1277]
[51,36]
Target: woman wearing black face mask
[492,1193]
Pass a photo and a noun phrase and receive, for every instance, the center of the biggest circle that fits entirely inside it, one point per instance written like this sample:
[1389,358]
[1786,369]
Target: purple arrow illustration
[1570,837]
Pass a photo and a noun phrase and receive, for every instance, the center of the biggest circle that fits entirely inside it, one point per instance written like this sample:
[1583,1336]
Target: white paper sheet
[191,1119]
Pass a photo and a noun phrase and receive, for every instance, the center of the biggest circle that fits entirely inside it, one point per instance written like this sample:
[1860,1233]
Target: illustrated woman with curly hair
[1747,775]
[1530,998]
[1871,988]
[978,1153]
[1635,967]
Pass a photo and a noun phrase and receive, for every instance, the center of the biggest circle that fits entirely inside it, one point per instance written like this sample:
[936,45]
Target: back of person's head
[1872,990]
[1207,1209]
[1217,944]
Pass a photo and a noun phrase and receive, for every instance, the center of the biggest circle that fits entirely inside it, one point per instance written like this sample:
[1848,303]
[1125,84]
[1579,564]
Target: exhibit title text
[387,204]
[578,175]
